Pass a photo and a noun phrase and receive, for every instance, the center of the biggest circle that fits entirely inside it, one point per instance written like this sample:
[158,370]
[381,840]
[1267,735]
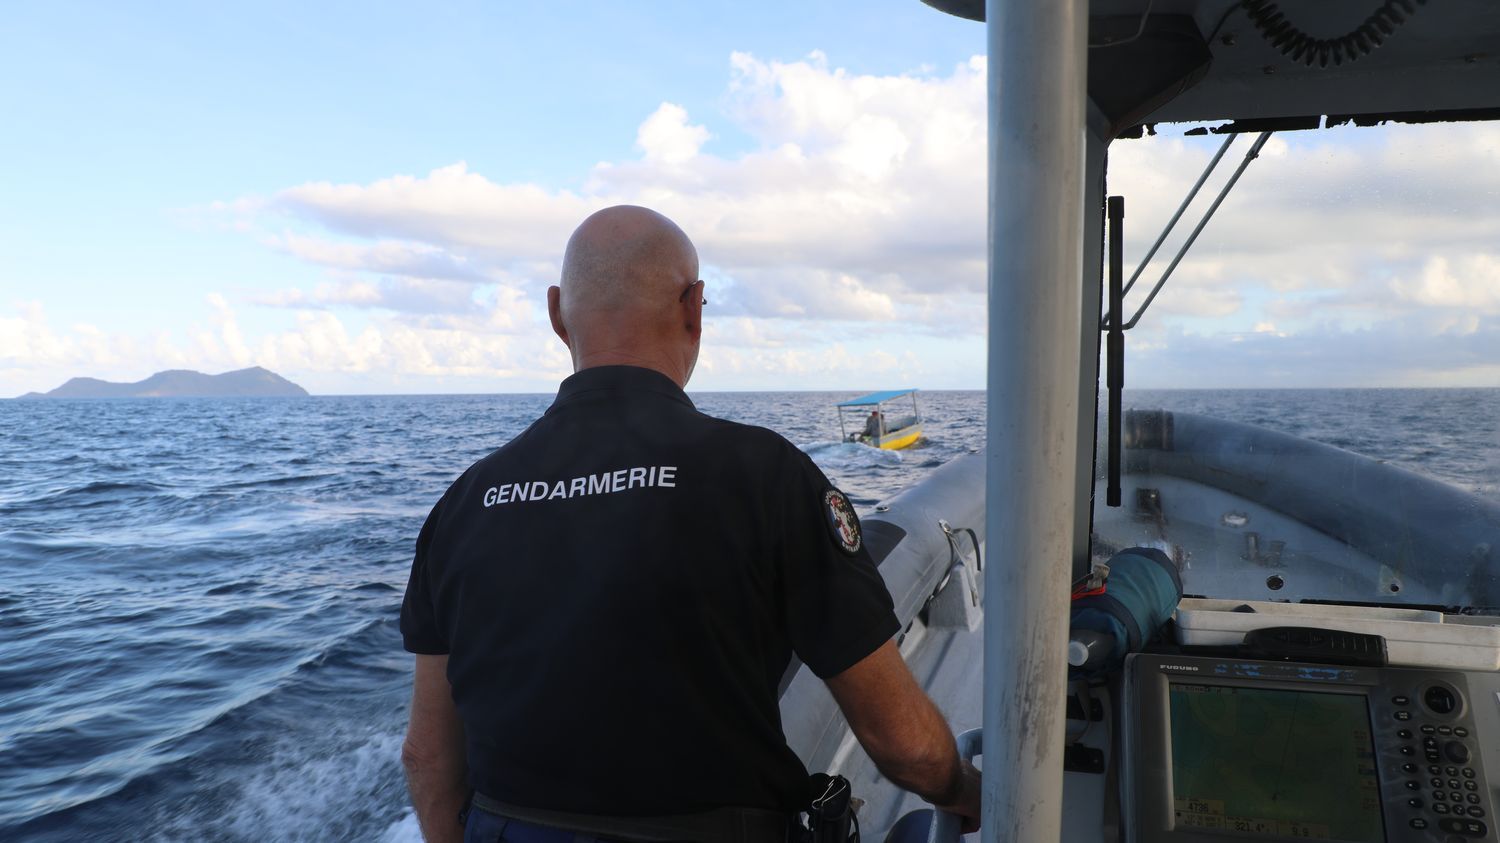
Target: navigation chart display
[1267,762]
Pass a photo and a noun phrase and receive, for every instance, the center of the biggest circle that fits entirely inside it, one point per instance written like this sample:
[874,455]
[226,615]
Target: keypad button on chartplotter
[1439,699]
[1456,751]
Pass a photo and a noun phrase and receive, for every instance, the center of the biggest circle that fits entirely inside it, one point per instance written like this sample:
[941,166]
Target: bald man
[603,608]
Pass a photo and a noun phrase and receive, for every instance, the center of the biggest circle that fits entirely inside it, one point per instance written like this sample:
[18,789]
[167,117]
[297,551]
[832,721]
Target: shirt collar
[621,379]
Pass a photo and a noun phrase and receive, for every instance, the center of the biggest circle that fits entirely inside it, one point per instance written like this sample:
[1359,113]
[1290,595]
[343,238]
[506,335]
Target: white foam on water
[323,792]
[849,454]
[404,830]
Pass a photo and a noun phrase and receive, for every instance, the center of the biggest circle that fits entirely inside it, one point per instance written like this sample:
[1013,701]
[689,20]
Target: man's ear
[554,312]
[694,314]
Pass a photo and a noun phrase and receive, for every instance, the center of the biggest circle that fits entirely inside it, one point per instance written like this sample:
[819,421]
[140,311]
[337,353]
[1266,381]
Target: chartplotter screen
[1257,761]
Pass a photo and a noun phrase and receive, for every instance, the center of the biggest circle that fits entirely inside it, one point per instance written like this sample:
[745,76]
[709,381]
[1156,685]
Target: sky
[373,198]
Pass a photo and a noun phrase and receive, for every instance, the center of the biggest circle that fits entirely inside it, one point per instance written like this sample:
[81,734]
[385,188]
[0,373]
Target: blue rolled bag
[1138,597]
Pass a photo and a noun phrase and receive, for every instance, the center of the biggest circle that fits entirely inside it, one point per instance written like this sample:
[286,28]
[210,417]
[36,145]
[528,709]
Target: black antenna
[1116,346]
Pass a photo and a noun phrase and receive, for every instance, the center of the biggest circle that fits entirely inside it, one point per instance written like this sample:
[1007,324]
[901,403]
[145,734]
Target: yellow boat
[877,428]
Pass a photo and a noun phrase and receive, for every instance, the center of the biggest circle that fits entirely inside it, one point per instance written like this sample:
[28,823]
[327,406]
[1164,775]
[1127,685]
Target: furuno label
[604,483]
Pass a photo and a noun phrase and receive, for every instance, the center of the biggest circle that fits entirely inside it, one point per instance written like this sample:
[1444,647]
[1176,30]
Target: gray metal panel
[1445,57]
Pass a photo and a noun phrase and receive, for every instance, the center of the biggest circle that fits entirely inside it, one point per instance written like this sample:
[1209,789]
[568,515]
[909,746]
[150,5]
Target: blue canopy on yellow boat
[875,398]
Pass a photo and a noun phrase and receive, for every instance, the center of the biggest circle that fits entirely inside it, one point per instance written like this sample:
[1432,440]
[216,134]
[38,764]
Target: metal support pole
[1037,70]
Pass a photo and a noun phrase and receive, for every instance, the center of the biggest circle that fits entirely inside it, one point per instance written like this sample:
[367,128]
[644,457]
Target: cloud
[1336,210]
[852,211]
[389,257]
[449,209]
[496,341]
[799,293]
[832,362]
[873,184]
[345,293]
[1467,282]
[667,138]
[1390,353]
[419,296]
[26,338]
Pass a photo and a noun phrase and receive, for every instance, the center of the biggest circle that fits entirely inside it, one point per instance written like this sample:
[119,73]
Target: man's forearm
[438,792]
[433,753]
[905,734]
[926,762]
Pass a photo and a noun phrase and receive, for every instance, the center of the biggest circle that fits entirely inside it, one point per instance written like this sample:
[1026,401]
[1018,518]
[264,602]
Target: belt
[721,825]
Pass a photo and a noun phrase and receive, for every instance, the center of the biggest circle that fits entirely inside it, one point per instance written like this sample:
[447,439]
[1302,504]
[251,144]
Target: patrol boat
[879,428]
[1336,673]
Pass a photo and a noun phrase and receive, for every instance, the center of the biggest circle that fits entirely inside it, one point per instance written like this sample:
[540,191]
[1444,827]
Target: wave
[236,587]
[279,482]
[297,758]
[404,830]
[96,489]
[849,454]
[330,791]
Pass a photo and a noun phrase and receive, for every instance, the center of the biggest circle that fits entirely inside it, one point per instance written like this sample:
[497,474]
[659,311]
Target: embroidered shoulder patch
[842,523]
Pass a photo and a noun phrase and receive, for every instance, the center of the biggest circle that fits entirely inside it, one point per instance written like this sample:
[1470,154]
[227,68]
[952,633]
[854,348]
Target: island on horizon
[254,382]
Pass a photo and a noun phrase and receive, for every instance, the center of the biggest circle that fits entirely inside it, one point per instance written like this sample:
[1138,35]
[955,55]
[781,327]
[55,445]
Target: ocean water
[199,598]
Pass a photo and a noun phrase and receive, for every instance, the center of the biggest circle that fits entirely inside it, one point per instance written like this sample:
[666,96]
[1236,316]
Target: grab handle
[946,826]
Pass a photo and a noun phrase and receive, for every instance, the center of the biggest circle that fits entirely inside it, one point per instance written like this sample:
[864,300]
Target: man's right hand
[967,803]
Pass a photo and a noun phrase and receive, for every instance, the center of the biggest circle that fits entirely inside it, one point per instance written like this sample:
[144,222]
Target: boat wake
[847,455]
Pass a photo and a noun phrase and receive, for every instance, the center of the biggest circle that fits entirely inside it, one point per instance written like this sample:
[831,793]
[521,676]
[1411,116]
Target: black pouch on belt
[830,814]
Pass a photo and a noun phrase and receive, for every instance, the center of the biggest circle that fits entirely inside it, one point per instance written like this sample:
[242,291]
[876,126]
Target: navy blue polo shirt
[619,590]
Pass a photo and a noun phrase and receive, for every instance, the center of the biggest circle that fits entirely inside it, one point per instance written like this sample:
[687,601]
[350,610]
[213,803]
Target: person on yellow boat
[874,425]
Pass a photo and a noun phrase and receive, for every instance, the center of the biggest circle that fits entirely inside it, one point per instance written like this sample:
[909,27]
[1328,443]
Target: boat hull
[1251,513]
[898,439]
